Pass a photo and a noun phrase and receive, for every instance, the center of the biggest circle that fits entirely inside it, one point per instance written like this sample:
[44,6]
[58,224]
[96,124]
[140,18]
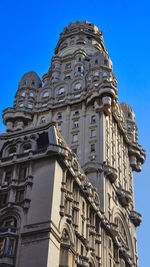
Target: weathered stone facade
[53,211]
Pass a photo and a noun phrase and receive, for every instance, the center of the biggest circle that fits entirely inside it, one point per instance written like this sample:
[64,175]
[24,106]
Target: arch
[69,229]
[117,213]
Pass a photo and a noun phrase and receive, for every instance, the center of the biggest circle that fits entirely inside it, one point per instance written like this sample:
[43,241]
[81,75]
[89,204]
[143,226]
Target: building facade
[67,162]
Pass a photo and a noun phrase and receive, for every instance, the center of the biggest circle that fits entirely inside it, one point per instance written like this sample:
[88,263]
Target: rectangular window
[59,127]
[19,195]
[93,133]
[75,138]
[3,199]
[92,147]
[75,124]
[76,112]
[93,119]
[59,115]
[8,175]
[22,173]
[10,247]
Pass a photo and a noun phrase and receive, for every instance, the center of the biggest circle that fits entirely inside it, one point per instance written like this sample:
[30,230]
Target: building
[66,163]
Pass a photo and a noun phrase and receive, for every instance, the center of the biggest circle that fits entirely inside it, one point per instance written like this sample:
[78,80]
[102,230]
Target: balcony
[124,196]
[136,218]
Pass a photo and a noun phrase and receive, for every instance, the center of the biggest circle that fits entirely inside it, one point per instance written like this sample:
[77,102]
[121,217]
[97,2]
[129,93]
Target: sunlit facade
[67,162]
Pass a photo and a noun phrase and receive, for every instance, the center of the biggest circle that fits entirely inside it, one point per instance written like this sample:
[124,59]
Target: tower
[66,196]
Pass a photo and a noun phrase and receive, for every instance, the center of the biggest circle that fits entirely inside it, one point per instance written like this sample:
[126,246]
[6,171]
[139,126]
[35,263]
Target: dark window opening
[79,69]
[33,82]
[22,172]
[96,61]
[3,199]
[105,62]
[43,140]
[19,195]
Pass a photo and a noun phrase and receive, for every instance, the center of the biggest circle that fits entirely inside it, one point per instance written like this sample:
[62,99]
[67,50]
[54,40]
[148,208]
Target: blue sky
[29,34]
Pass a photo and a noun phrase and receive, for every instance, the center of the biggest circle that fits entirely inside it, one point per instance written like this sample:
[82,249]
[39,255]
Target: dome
[30,79]
[81,34]
[129,114]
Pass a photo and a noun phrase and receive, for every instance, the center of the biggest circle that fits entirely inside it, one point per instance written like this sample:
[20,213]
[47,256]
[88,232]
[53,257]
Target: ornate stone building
[66,163]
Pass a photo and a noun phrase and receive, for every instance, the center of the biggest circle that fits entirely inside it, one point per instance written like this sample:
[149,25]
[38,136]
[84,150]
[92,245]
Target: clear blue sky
[29,33]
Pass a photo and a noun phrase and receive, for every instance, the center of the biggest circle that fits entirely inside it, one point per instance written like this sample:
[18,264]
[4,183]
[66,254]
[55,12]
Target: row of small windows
[30,94]
[30,106]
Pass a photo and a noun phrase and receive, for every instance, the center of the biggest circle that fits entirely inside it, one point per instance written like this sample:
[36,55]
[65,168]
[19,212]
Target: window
[61,90]
[27,147]
[68,66]
[30,106]
[21,105]
[53,66]
[31,94]
[75,138]
[76,112]
[93,133]
[12,150]
[23,94]
[79,69]
[24,83]
[76,124]
[92,147]
[43,120]
[33,83]
[59,115]
[93,119]
[8,175]
[59,127]
[105,62]
[80,59]
[3,199]
[44,105]
[19,195]
[96,62]
[77,86]
[129,115]
[77,96]
[10,247]
[89,39]
[22,172]
[96,73]
[45,94]
[104,74]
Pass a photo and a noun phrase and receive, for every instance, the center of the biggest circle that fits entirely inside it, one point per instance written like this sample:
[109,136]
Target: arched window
[26,147]
[61,91]
[31,94]
[66,255]
[45,94]
[30,106]
[77,86]
[23,94]
[43,120]
[12,150]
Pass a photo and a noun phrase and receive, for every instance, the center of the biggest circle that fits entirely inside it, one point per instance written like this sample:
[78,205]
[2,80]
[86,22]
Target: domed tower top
[129,114]
[80,34]
[30,80]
